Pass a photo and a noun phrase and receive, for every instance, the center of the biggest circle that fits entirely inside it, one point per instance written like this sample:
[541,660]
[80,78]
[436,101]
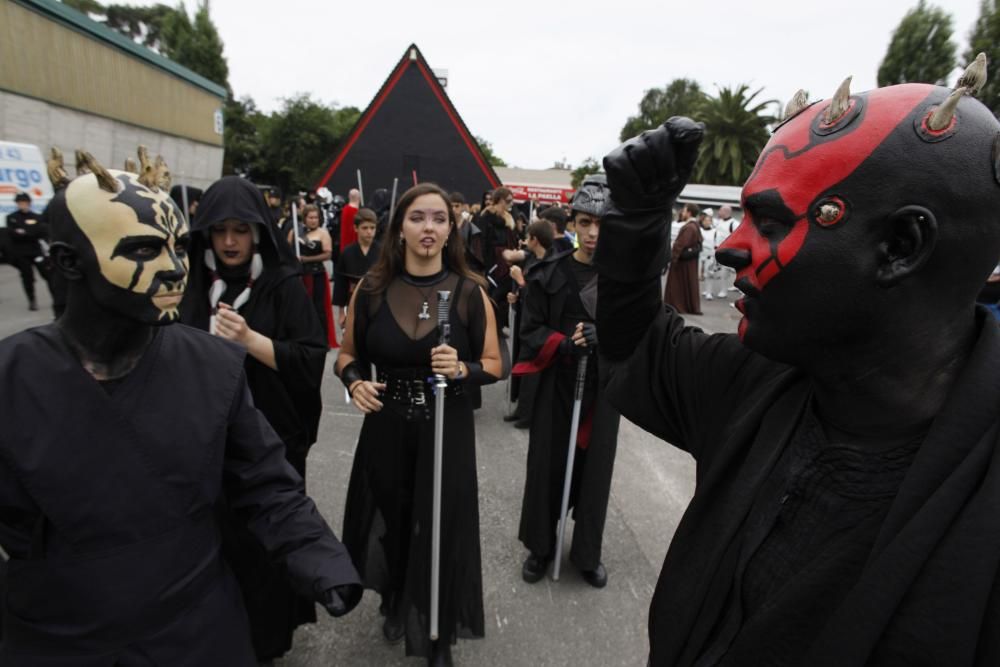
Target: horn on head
[81,163]
[840,103]
[974,76]
[91,166]
[795,105]
[57,169]
[131,165]
[943,115]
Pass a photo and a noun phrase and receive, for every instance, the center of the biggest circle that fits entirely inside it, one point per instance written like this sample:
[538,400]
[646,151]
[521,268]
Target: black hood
[234,198]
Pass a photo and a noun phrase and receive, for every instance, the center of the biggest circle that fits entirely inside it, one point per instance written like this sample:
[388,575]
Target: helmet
[593,196]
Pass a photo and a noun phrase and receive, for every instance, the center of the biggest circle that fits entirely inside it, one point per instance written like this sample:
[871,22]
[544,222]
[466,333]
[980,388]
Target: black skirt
[387,518]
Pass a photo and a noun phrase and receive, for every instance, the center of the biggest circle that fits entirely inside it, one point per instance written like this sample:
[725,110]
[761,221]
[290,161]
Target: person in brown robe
[682,278]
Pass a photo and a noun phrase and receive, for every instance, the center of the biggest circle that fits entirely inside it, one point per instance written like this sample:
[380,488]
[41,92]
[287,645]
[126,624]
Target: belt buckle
[417,391]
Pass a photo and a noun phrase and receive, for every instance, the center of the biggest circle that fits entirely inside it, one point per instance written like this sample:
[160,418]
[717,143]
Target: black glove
[647,172]
[590,335]
[567,347]
[341,599]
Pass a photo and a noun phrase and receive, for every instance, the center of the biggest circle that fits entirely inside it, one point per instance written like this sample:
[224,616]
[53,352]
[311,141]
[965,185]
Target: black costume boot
[393,627]
[32,303]
[440,654]
[534,568]
[598,577]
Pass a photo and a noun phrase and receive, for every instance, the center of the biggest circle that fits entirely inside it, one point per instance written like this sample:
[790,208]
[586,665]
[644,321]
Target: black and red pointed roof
[411,130]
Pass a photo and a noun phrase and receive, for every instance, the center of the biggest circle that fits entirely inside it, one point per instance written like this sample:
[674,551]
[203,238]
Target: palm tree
[736,129]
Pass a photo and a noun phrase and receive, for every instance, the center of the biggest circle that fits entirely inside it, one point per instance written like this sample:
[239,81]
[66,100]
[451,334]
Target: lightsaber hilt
[581,377]
[295,230]
[440,386]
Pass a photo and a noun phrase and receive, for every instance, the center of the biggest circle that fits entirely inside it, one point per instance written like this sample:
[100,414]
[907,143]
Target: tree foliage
[586,168]
[985,38]
[195,44]
[491,157]
[681,97]
[736,129]
[297,141]
[169,31]
[921,49]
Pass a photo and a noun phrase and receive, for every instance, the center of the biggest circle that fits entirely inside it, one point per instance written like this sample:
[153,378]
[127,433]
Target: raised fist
[647,172]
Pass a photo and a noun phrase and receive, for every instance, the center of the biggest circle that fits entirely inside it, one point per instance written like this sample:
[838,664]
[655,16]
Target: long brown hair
[391,261]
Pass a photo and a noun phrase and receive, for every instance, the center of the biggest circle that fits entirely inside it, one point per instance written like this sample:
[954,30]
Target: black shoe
[393,628]
[32,304]
[522,424]
[534,568]
[512,417]
[440,654]
[598,577]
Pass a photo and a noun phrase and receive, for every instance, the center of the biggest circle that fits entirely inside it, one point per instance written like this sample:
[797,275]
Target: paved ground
[549,623]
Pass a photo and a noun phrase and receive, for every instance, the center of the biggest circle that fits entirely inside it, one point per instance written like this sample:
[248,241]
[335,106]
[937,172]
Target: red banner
[544,193]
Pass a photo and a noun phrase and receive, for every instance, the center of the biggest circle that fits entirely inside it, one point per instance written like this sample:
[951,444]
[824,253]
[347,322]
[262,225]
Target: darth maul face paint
[797,207]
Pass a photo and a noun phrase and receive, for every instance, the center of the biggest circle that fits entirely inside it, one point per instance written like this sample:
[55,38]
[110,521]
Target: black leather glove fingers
[567,346]
[339,600]
[649,171]
[590,334]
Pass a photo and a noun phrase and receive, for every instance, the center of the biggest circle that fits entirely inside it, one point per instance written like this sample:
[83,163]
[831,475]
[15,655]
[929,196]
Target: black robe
[108,497]
[552,286]
[350,269]
[290,397]
[929,592]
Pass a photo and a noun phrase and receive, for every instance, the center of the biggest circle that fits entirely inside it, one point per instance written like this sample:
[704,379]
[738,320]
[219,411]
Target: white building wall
[29,121]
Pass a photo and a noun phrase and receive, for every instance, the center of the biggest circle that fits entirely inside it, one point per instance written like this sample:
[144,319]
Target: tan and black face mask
[139,242]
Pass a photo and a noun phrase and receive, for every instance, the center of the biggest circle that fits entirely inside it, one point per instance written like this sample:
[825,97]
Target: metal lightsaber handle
[295,228]
[440,385]
[574,429]
[512,327]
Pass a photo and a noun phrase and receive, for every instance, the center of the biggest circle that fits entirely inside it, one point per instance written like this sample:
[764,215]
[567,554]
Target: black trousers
[24,264]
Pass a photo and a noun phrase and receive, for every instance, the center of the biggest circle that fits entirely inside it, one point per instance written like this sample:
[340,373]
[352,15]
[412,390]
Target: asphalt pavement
[548,623]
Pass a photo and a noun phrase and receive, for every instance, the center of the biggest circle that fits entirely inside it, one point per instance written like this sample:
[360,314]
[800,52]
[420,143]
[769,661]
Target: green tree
[736,129]
[242,136]
[985,38]
[681,97]
[195,44]
[491,157]
[921,49]
[298,141]
[586,168]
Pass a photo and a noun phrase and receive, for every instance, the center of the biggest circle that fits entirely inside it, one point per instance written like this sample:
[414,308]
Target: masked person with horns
[847,439]
[557,327]
[121,439]
[244,286]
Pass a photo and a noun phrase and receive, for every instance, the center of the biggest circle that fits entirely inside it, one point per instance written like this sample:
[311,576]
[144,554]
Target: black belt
[412,390]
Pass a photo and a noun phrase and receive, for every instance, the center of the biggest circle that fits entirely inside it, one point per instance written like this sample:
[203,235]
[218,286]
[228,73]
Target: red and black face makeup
[797,188]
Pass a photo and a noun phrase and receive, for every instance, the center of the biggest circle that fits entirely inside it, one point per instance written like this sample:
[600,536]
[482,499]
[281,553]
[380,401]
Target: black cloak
[554,294]
[289,397]
[928,592]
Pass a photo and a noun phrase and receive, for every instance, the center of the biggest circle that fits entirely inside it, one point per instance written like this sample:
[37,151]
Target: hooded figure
[241,272]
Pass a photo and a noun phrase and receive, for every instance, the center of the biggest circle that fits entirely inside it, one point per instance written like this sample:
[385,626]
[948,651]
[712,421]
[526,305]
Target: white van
[22,169]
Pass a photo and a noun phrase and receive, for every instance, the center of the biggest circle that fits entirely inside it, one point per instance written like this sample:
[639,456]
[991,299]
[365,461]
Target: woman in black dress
[498,228]
[392,323]
[244,286]
[316,247]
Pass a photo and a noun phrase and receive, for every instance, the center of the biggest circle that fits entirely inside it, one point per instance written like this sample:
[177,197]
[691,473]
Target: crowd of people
[153,508]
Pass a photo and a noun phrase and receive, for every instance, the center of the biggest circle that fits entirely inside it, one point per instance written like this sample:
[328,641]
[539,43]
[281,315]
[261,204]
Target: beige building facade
[69,82]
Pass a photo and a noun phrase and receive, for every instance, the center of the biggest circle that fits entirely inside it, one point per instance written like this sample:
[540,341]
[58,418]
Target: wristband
[350,374]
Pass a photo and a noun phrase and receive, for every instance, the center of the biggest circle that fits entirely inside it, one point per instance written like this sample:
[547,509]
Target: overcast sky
[546,80]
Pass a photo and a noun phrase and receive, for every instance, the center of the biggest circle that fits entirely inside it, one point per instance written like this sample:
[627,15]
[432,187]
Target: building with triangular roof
[410,131]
